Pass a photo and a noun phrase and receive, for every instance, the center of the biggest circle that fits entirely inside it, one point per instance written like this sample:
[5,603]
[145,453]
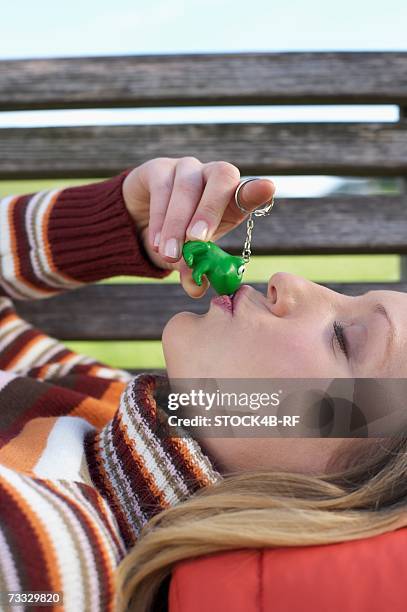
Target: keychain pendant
[224,271]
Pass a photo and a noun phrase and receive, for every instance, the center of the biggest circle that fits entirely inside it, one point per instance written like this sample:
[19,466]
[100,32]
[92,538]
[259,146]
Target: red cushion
[368,575]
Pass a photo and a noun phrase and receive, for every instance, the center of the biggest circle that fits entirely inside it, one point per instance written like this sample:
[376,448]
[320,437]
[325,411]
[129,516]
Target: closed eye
[340,338]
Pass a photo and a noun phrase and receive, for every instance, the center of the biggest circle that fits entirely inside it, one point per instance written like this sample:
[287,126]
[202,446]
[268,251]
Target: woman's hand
[175,200]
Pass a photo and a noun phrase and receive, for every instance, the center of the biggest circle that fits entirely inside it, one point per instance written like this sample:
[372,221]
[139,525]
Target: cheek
[280,348]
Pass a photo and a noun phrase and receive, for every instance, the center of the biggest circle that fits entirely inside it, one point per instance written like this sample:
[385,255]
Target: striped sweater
[85,454]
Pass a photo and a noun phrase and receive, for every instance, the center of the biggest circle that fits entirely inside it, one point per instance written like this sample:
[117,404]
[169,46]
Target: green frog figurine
[224,271]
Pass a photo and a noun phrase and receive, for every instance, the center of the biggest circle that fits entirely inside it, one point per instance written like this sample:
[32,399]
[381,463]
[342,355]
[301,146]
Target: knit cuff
[136,464]
[92,235]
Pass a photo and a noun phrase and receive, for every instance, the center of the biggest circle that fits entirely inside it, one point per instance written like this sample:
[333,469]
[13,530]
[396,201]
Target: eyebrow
[390,338]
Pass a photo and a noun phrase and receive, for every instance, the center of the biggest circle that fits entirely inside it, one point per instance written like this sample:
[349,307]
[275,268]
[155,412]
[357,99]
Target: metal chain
[262,212]
[246,249]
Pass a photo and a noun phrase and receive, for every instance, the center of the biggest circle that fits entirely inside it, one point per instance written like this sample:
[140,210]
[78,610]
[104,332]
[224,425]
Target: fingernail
[171,248]
[157,239]
[199,230]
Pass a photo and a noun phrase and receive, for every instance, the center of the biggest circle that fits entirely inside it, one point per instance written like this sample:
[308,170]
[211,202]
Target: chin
[177,337]
[184,341]
[178,325]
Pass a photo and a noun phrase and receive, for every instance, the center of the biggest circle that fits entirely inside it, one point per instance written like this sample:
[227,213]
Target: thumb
[252,195]
[255,193]
[188,283]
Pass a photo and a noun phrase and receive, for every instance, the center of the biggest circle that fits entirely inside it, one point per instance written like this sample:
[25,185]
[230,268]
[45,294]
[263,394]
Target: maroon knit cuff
[92,235]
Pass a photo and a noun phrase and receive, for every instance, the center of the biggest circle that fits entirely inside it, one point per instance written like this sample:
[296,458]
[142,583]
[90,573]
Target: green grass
[123,353]
[22,187]
[318,268]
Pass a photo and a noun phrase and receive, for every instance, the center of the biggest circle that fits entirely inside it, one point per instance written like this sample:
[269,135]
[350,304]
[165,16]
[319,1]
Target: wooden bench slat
[335,224]
[135,312]
[260,148]
[339,224]
[197,79]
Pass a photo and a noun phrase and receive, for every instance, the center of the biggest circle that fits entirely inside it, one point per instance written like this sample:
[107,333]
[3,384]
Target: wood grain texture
[210,79]
[135,312]
[256,148]
[403,258]
[340,224]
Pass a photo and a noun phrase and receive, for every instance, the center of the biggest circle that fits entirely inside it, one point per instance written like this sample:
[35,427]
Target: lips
[224,301]
[229,302]
[237,296]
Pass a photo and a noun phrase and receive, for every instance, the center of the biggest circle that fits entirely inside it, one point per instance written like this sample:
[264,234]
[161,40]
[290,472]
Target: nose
[288,291]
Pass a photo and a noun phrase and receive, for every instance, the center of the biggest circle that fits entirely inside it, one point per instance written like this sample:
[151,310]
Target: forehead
[395,303]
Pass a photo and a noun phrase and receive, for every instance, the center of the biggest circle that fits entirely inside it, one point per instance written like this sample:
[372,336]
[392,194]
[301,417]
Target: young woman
[97,502]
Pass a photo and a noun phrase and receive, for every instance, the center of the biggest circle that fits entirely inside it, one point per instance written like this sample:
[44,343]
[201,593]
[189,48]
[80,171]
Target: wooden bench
[326,225]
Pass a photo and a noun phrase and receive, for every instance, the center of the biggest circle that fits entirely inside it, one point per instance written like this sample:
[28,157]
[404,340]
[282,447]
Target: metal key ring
[262,212]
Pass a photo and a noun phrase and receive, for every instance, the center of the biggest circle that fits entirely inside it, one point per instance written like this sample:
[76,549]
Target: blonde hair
[366,497]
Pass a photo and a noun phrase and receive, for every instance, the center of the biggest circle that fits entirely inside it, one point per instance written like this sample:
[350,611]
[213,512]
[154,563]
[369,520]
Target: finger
[222,179]
[255,193]
[189,285]
[252,195]
[160,175]
[186,193]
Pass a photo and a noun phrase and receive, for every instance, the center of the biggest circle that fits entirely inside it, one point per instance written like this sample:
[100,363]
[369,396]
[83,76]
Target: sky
[47,28]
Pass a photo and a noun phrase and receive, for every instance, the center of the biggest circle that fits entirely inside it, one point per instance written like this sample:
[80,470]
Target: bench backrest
[342,224]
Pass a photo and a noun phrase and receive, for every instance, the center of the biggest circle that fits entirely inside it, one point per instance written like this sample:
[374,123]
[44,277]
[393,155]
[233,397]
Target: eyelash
[339,337]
